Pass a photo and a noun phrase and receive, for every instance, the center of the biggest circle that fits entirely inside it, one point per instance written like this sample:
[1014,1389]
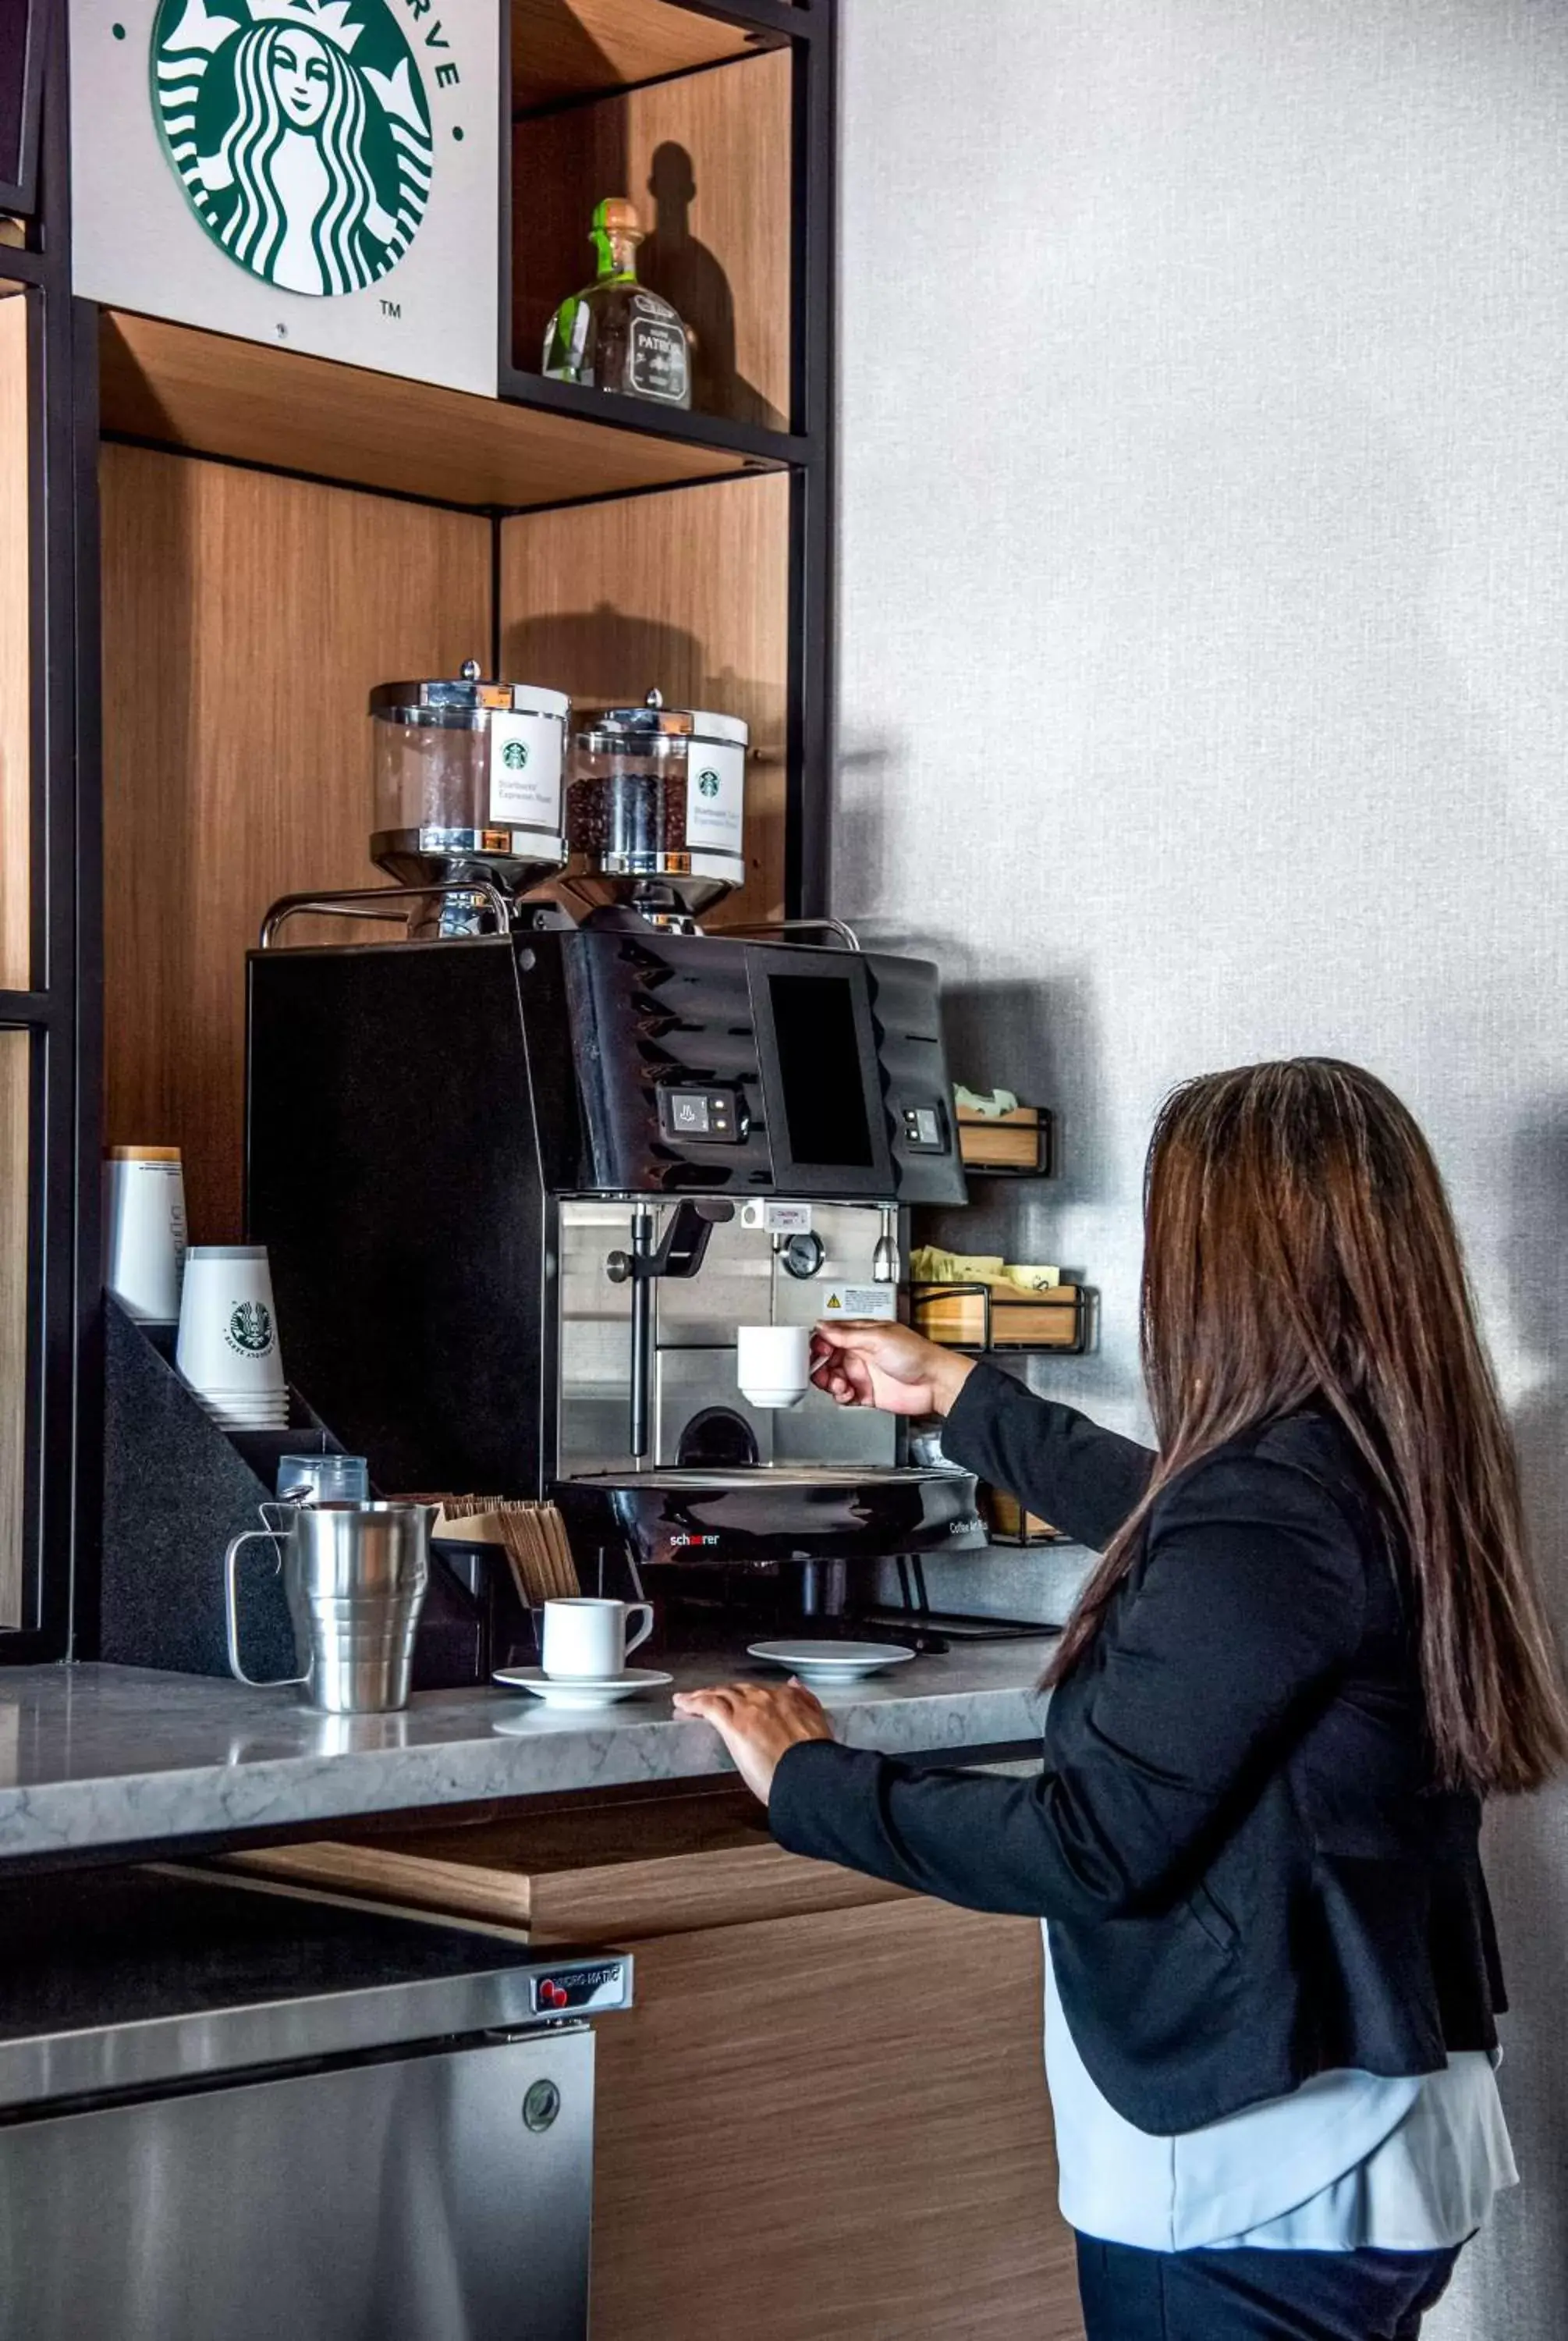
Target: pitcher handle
[231,1610]
[635,1641]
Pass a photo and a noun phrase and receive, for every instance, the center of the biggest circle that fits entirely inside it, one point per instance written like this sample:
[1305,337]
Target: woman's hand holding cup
[867,1361]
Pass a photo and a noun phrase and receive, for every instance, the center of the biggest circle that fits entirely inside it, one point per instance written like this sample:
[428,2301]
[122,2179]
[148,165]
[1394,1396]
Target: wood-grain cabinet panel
[245,618]
[831,2128]
[573,48]
[478,1875]
[688,590]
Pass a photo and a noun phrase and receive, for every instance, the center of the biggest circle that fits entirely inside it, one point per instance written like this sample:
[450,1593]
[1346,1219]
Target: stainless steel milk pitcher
[354,1575]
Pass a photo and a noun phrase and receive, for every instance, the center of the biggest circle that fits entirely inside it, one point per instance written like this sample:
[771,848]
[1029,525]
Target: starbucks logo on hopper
[709,783]
[250,1329]
[515,755]
[299,131]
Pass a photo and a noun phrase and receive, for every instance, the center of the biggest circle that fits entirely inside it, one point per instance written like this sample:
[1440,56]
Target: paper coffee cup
[773,1363]
[144,1231]
[228,1341]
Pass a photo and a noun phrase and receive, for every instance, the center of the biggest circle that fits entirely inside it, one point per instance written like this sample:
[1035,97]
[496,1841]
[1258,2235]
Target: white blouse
[1348,2160]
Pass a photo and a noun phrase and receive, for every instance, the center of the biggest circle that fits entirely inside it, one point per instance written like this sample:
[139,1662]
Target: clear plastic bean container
[466,780]
[657,802]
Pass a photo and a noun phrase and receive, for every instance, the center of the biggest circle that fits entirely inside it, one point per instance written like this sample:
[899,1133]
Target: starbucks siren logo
[515,755]
[250,1329]
[709,783]
[300,132]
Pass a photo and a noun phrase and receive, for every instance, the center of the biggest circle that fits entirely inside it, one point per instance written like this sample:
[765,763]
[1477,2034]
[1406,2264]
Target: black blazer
[1249,1875]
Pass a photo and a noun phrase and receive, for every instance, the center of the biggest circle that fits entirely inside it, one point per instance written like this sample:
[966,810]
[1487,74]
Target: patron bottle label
[715,797]
[525,771]
[300,133]
[656,357]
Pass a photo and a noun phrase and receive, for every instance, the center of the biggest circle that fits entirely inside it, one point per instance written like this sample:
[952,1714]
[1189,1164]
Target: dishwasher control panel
[578,1986]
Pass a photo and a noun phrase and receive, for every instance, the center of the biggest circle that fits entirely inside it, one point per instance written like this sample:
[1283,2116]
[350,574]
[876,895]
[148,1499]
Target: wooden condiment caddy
[958,1316]
[1017,1140]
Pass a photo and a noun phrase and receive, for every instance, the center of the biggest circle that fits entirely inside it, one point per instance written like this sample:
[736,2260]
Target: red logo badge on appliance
[602,1983]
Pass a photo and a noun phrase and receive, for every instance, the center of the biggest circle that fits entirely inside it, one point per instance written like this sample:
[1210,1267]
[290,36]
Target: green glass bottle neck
[616,257]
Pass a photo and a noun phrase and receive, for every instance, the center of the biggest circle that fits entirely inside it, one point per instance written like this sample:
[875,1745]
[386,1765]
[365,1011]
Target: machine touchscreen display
[819,1069]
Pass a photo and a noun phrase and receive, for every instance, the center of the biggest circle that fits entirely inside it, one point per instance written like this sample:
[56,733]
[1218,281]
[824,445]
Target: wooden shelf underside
[176,386]
[560,51]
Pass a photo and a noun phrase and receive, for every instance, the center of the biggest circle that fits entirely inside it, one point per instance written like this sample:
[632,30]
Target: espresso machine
[519,1190]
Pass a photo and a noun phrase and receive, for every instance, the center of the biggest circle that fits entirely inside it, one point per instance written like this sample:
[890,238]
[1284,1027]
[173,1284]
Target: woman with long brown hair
[1312,1646]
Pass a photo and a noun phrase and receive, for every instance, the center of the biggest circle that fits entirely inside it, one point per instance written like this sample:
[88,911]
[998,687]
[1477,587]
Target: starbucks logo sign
[515,755]
[250,1329]
[299,131]
[709,783]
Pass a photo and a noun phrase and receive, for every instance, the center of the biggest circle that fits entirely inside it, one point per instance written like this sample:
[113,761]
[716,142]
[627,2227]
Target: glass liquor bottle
[616,334]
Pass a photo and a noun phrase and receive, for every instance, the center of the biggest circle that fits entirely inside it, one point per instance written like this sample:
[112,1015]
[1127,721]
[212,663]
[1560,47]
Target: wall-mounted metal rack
[1041,1166]
[989,1345]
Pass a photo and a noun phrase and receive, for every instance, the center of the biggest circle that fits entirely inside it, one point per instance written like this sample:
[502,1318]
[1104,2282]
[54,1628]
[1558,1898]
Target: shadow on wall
[863,779]
[1041,1040]
[675,262]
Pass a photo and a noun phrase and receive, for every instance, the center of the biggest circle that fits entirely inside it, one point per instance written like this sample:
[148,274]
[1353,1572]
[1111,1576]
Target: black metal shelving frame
[59,1008]
[23,37]
[64,1011]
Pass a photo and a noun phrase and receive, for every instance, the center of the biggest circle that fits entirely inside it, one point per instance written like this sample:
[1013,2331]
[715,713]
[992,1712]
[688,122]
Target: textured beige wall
[1205,669]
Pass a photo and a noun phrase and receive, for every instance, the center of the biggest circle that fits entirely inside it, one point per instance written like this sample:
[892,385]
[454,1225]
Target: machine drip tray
[768,1512]
[832,1476]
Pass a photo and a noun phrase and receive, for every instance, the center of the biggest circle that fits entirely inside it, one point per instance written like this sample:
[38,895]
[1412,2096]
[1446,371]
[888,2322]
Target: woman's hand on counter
[865,1361]
[758,1723]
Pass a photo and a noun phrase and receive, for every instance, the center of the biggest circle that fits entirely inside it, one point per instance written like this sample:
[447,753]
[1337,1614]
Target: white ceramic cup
[773,1363]
[228,1342]
[144,1231]
[587,1640]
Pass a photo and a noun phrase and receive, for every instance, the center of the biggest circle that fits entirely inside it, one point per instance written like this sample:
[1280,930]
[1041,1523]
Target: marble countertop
[97,1756]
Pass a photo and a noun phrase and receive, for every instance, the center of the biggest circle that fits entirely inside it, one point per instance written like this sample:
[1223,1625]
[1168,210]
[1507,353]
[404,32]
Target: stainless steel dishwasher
[231,2112]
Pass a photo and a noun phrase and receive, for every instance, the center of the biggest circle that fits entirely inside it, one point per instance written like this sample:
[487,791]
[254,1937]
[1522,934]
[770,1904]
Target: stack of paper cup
[228,1345]
[145,1230]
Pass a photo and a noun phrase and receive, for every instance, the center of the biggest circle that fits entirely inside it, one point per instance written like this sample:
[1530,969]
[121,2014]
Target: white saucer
[590,1691]
[830,1662]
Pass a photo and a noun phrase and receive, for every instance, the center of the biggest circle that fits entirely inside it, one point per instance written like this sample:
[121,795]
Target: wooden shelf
[175,386]
[560,52]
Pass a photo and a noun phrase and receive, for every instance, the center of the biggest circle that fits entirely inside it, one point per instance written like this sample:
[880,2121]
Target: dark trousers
[1248,2295]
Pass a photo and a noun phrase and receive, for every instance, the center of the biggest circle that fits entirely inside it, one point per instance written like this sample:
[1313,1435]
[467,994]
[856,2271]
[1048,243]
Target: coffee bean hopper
[656,810]
[466,789]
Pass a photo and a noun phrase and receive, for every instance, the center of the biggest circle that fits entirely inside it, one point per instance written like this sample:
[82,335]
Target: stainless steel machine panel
[743,1281]
[435,2197]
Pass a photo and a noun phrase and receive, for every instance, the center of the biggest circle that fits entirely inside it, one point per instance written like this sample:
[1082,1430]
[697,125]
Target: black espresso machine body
[421,1115]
